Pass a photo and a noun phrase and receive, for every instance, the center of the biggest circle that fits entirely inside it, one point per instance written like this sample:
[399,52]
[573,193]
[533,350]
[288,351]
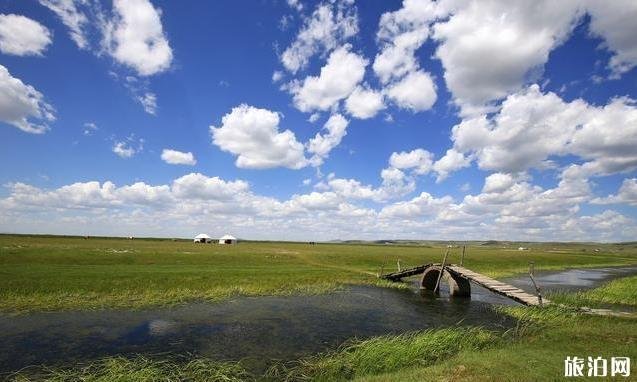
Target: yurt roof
[227,237]
[202,236]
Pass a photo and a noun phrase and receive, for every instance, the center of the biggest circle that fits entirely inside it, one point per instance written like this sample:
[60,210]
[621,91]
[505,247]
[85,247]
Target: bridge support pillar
[458,286]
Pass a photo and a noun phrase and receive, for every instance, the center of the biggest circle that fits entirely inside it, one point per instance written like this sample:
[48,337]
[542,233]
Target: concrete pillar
[458,286]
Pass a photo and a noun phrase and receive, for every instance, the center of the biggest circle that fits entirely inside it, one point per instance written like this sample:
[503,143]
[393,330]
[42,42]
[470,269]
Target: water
[260,329]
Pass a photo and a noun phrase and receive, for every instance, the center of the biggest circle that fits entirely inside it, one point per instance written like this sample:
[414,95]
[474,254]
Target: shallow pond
[259,329]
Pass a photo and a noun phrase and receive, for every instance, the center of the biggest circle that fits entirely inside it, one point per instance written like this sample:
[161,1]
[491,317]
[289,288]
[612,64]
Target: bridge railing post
[442,269]
[537,287]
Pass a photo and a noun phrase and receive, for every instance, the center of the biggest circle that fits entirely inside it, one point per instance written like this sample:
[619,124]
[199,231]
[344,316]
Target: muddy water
[261,329]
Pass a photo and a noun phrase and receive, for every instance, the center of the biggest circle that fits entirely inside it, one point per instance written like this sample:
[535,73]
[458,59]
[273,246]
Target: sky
[306,120]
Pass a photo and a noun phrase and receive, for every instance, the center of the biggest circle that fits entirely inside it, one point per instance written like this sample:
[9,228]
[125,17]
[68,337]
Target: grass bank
[621,291]
[44,273]
[386,354]
[534,350]
[543,340]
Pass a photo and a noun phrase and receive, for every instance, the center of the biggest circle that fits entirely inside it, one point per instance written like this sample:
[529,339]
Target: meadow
[534,350]
[44,273]
[48,273]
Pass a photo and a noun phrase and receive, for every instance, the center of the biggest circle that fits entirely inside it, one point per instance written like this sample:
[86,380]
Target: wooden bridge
[459,279]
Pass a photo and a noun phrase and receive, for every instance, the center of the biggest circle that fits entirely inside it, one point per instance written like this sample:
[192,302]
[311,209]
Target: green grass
[140,369]
[543,339]
[621,291]
[43,273]
[384,354]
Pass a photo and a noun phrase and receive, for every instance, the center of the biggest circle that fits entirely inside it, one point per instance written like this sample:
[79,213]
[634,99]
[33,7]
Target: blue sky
[320,120]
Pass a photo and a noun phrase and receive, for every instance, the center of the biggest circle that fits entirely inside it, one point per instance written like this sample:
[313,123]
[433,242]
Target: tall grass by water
[140,369]
[384,354]
[621,291]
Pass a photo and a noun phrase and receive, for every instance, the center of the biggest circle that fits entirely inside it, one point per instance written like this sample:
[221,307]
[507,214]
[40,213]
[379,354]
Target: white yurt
[227,239]
[202,238]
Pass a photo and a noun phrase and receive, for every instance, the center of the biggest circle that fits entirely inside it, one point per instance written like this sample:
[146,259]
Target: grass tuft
[140,369]
[384,354]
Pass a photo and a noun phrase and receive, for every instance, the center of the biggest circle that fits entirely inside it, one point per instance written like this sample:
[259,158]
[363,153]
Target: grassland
[40,273]
[546,336]
[534,351]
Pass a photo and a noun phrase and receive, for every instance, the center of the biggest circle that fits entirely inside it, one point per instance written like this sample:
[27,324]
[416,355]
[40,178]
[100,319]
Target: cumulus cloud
[22,106]
[395,184]
[22,36]
[71,14]
[253,135]
[400,34]
[128,147]
[419,207]
[614,21]
[416,92]
[135,37]
[450,162]
[532,127]
[322,144]
[201,187]
[489,48]
[508,208]
[364,103]
[329,26]
[627,194]
[420,160]
[178,157]
[339,77]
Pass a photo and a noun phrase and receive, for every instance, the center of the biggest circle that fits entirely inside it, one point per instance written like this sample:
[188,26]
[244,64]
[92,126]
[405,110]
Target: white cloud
[322,144]
[339,77]
[364,103]
[253,135]
[498,183]
[419,207]
[395,184]
[314,117]
[135,37]
[295,4]
[400,34]
[450,162]
[198,186]
[532,127]
[90,128]
[420,160]
[178,157]
[627,194]
[21,36]
[72,17]
[149,102]
[196,202]
[123,149]
[22,106]
[416,92]
[277,76]
[128,148]
[615,22]
[328,27]
[489,48]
